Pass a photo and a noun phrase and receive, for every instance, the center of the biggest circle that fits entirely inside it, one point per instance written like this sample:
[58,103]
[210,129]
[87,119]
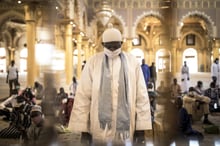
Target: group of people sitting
[26,116]
[196,100]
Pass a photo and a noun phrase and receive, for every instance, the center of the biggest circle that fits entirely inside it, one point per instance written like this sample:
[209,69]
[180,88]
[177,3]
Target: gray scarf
[105,97]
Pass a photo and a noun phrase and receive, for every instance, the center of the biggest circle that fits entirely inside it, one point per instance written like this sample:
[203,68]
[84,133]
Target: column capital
[30,12]
[216,43]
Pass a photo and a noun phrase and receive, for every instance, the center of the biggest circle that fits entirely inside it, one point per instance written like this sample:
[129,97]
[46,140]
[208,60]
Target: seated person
[162,89]
[184,123]
[175,89]
[29,96]
[38,90]
[191,99]
[41,132]
[7,105]
[20,120]
[213,93]
[199,88]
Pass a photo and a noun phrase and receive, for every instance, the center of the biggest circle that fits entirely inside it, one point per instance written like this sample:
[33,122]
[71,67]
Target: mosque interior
[55,37]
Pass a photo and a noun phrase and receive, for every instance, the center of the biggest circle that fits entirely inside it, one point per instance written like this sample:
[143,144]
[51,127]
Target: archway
[190,56]
[2,60]
[163,60]
[138,53]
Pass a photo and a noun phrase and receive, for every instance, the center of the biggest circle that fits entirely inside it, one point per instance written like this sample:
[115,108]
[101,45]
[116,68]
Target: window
[190,39]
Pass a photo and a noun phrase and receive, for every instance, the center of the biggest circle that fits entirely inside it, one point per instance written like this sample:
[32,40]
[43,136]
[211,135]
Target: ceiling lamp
[104,13]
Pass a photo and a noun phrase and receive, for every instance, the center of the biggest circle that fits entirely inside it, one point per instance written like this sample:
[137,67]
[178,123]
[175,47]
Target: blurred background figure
[153,74]
[12,76]
[73,86]
[185,77]
[146,71]
[38,90]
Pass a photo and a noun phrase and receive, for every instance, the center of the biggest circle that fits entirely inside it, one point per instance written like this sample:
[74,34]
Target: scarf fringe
[104,124]
[123,135]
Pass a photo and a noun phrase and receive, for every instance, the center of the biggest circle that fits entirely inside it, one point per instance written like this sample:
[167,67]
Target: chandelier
[104,13]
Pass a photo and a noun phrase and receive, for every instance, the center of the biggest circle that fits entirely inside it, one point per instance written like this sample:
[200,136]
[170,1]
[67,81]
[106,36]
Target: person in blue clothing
[146,71]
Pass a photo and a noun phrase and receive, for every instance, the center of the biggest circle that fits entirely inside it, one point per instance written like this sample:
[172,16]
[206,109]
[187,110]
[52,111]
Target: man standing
[153,74]
[111,101]
[185,77]
[12,76]
[146,71]
[215,70]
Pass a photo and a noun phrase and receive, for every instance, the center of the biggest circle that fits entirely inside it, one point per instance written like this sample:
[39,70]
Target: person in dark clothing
[152,96]
[20,120]
[41,132]
[153,74]
[213,93]
[184,122]
[146,71]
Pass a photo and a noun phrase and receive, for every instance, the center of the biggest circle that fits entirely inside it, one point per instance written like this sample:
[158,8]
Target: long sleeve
[81,110]
[143,119]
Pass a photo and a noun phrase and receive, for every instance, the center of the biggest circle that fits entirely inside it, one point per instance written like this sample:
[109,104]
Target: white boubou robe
[84,116]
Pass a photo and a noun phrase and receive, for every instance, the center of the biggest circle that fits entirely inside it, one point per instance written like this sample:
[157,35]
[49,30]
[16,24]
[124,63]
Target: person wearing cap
[111,101]
[40,131]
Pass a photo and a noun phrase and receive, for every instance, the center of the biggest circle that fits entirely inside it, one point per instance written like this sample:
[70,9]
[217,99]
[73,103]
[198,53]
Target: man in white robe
[88,110]
[215,71]
[185,78]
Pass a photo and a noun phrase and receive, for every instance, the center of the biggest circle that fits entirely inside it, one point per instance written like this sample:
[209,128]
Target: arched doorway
[190,56]
[163,60]
[2,60]
[138,53]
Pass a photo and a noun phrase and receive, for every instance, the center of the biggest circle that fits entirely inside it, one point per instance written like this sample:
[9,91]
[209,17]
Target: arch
[149,13]
[192,32]
[5,16]
[146,39]
[119,17]
[191,55]
[202,15]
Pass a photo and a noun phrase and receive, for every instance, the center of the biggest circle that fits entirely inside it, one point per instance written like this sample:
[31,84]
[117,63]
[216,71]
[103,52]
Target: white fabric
[12,72]
[10,100]
[84,116]
[215,71]
[185,76]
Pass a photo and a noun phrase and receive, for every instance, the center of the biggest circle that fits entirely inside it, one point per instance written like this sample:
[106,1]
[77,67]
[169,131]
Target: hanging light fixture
[104,12]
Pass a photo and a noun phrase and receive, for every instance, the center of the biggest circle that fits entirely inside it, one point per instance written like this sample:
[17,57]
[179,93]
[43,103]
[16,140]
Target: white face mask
[112,54]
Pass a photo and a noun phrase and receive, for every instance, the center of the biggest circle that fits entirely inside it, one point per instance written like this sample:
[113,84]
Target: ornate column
[129,44]
[79,48]
[216,47]
[174,57]
[31,36]
[68,53]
